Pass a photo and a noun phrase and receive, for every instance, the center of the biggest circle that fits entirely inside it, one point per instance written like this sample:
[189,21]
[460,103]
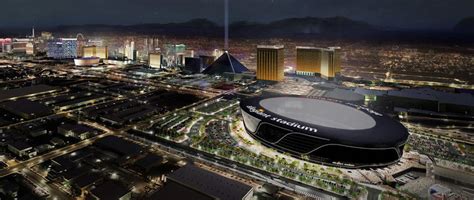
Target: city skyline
[304,108]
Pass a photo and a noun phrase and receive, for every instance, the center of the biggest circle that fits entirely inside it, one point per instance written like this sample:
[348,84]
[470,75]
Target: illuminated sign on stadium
[281,121]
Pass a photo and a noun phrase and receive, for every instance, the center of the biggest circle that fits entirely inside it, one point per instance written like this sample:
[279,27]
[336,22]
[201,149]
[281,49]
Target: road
[54,191]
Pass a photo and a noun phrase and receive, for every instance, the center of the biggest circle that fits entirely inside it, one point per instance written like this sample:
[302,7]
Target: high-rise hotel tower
[314,61]
[270,63]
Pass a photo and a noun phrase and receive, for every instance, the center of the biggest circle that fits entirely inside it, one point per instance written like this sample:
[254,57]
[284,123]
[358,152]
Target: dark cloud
[398,13]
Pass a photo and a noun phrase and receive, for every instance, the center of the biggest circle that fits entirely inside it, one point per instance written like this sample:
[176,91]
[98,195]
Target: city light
[254,99]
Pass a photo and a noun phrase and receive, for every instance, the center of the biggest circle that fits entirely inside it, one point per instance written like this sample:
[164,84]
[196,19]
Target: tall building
[130,51]
[95,51]
[154,60]
[314,61]
[336,60]
[270,63]
[30,48]
[46,36]
[330,63]
[5,45]
[308,60]
[23,46]
[174,54]
[194,65]
[80,44]
[151,45]
[62,48]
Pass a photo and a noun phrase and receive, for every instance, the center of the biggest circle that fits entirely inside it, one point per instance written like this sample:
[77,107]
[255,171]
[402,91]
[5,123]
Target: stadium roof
[330,119]
[226,63]
[318,112]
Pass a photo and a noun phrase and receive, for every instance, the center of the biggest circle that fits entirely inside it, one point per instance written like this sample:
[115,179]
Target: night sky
[418,14]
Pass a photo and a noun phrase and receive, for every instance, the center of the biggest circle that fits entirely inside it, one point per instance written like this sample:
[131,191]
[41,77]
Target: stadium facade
[324,130]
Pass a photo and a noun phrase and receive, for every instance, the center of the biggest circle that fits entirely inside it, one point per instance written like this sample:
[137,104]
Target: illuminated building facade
[330,63]
[154,60]
[80,44]
[5,45]
[62,48]
[313,61]
[152,45]
[174,54]
[130,51]
[23,46]
[270,63]
[89,61]
[308,61]
[94,51]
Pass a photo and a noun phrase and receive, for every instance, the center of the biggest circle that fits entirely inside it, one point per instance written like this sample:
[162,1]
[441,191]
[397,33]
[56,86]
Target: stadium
[325,131]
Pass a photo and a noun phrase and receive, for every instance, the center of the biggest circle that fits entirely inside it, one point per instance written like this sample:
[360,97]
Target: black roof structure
[173,190]
[26,108]
[331,119]
[325,130]
[24,91]
[226,63]
[214,185]
[110,190]
[119,146]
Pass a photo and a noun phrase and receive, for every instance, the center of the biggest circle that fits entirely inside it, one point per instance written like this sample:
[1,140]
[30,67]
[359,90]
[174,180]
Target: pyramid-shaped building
[225,64]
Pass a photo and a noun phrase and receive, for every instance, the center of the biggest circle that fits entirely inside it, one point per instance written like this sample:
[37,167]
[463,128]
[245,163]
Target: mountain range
[466,25]
[339,27]
[285,27]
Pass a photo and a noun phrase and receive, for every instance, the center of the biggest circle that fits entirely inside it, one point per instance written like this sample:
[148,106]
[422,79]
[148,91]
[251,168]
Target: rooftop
[76,128]
[270,46]
[20,145]
[110,190]
[87,58]
[26,108]
[24,91]
[149,161]
[86,179]
[119,145]
[435,95]
[319,112]
[210,183]
[317,48]
[345,95]
[172,191]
